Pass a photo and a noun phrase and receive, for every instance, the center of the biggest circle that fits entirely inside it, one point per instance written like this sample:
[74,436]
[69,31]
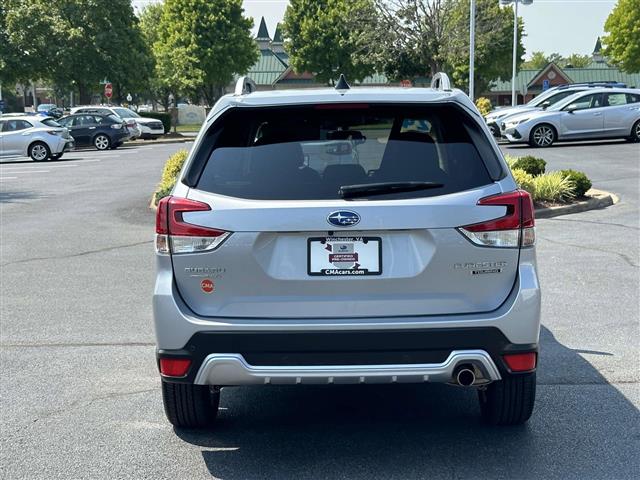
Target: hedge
[580,181]
[165,118]
[170,174]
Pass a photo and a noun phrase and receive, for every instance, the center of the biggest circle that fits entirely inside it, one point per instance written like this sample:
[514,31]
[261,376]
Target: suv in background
[140,127]
[101,131]
[346,236]
[544,100]
[40,138]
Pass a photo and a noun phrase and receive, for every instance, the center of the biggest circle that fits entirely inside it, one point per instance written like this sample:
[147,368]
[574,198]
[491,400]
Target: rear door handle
[597,114]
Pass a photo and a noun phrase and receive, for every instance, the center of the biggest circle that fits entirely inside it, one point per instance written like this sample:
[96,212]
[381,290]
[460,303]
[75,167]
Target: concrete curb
[596,199]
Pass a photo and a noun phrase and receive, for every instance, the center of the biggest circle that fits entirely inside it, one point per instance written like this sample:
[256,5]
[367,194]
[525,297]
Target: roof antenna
[342,83]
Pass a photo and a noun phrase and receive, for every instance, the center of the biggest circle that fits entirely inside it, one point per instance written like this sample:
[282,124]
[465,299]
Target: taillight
[516,228]
[174,235]
[117,126]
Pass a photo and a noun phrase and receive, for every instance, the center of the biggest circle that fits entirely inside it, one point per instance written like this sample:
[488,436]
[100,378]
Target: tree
[493,43]
[158,88]
[77,43]
[203,44]
[539,60]
[324,37]
[577,61]
[622,42]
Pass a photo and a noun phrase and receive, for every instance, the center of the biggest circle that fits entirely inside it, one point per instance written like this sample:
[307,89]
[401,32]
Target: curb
[597,199]
[161,141]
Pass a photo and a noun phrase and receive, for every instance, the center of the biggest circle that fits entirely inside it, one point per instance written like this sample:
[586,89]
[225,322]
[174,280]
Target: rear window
[50,123]
[310,152]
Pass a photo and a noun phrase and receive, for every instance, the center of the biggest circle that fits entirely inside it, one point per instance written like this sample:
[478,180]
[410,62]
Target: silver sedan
[594,114]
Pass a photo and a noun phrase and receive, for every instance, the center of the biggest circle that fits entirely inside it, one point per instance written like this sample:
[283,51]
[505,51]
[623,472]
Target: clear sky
[563,26]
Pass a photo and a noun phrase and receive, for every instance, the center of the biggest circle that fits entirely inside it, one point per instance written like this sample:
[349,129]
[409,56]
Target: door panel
[619,116]
[585,122]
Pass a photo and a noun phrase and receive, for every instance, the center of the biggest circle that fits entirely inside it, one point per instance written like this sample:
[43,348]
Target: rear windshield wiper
[383,188]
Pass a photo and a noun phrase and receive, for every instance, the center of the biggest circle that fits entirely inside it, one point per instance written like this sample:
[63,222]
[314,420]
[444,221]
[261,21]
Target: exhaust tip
[465,376]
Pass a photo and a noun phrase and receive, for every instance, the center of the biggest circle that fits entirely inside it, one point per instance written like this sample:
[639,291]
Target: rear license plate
[344,256]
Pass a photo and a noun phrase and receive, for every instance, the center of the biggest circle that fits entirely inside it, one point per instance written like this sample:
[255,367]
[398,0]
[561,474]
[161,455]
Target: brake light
[117,126]
[521,362]
[174,235]
[515,228]
[174,367]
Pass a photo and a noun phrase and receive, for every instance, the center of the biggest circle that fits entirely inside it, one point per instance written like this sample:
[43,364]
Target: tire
[542,136]
[510,400]
[39,151]
[635,132]
[101,142]
[190,406]
[115,146]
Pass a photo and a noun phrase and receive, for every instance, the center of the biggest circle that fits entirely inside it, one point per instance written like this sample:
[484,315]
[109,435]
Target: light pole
[515,42]
[472,46]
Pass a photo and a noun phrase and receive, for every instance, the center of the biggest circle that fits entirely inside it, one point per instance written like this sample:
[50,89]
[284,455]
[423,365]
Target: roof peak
[277,36]
[263,32]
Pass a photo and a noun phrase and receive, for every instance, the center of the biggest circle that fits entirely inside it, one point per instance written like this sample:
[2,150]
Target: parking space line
[7,178]
[32,168]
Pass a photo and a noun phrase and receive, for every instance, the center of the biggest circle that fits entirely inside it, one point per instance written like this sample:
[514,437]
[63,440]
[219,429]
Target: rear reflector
[174,235]
[174,367]
[521,362]
[514,229]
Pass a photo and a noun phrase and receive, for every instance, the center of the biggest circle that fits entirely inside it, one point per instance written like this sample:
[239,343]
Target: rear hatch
[341,211]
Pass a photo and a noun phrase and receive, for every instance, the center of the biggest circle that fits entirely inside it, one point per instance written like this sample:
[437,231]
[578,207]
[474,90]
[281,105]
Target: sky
[562,26]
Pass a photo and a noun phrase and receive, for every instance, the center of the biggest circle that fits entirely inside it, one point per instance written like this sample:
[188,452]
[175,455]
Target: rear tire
[510,400]
[39,152]
[190,406]
[542,136]
[635,132]
[101,142]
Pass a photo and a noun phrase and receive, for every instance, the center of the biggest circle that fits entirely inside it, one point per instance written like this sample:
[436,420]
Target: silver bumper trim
[232,369]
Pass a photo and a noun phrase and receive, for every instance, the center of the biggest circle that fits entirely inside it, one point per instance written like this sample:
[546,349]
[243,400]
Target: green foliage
[484,105]
[523,179]
[170,174]
[74,44]
[540,60]
[552,187]
[511,160]
[202,44]
[323,37]
[493,43]
[165,118]
[577,61]
[580,181]
[622,42]
[532,165]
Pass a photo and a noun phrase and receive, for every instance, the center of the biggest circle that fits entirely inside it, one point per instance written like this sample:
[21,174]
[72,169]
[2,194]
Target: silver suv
[346,236]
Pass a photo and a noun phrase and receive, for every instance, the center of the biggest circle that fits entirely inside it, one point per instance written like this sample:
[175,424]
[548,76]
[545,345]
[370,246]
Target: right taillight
[175,236]
[514,229]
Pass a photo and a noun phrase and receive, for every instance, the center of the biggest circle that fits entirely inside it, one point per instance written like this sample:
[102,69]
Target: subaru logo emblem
[343,218]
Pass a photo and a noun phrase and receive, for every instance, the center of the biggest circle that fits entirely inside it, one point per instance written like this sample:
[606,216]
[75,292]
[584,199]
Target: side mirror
[545,104]
[571,108]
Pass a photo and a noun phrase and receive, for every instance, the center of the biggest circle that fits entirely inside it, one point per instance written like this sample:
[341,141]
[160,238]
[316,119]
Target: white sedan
[40,138]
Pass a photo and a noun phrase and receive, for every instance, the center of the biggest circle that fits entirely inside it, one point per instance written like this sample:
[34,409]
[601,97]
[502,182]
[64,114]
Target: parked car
[132,126]
[50,110]
[40,138]
[403,251]
[101,131]
[594,114]
[544,100]
[145,127]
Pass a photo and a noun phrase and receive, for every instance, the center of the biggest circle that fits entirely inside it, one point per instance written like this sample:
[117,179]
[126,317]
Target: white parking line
[28,171]
[32,168]
[7,178]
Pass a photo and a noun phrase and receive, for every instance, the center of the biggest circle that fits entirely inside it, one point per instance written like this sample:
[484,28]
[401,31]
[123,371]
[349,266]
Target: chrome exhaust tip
[465,376]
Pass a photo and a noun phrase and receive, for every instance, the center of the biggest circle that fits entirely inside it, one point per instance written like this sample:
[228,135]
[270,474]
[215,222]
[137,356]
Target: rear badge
[207,285]
[481,268]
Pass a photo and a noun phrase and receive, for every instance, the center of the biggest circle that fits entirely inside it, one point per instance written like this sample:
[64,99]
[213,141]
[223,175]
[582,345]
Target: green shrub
[170,174]
[511,160]
[552,187]
[532,165]
[580,181]
[523,179]
[484,105]
[165,118]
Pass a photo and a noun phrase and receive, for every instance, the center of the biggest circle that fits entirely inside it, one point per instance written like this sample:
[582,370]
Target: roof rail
[245,85]
[441,81]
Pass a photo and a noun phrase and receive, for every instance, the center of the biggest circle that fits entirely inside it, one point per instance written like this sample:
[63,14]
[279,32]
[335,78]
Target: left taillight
[514,229]
[175,236]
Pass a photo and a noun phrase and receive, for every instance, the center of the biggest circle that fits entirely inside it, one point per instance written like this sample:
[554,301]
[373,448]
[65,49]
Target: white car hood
[146,120]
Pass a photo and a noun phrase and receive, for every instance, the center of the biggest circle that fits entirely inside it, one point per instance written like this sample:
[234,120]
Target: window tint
[553,99]
[588,101]
[633,98]
[307,153]
[50,122]
[614,99]
[15,125]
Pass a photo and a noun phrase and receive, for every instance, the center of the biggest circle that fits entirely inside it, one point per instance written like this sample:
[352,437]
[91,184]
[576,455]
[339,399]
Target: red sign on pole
[108,90]
[405,83]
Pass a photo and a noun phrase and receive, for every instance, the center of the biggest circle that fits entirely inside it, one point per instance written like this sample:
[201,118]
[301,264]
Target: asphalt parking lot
[80,394]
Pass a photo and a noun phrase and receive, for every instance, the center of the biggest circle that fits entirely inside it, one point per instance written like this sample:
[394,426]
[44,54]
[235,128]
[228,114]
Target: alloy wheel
[39,152]
[543,136]
[101,142]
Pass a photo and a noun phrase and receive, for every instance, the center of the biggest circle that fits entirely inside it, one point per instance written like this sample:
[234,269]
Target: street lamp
[515,42]
[472,46]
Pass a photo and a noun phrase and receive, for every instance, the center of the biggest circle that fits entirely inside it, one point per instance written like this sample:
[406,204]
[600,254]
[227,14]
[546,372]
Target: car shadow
[9,196]
[579,429]
[590,143]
